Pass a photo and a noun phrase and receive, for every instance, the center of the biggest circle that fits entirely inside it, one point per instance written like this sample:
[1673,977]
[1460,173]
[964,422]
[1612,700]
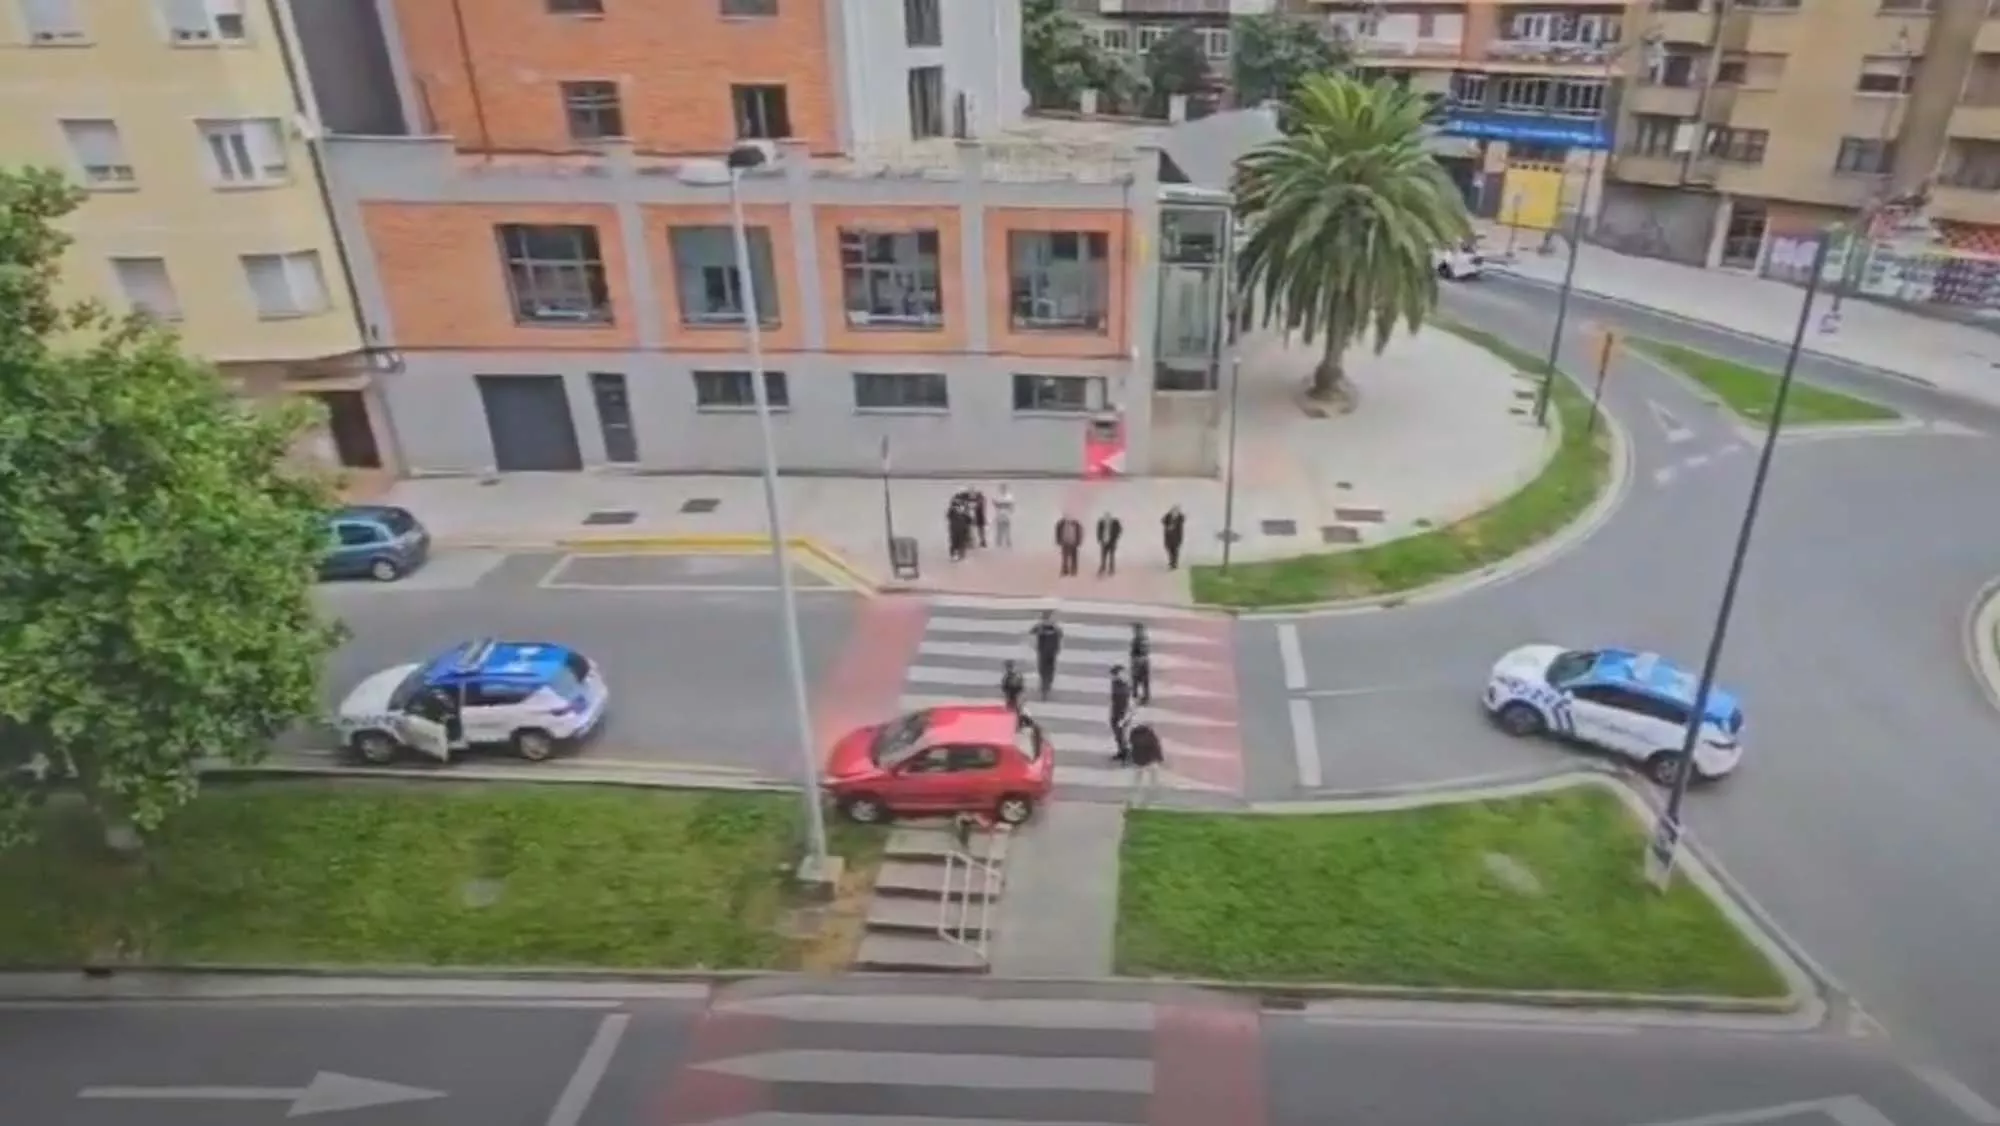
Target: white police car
[1461,263]
[1632,704]
[531,697]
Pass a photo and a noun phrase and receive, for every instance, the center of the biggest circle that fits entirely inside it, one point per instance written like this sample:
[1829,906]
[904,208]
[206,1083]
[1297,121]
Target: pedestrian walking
[979,514]
[1003,516]
[958,529]
[1121,714]
[1173,531]
[1109,528]
[1142,664]
[1012,686]
[1069,542]
[1148,758]
[1048,637]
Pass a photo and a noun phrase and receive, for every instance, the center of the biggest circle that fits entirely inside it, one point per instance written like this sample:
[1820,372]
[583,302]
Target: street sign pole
[1606,342]
[888,509]
[1661,852]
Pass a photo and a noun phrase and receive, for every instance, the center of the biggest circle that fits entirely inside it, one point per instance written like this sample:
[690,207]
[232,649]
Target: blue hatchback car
[374,541]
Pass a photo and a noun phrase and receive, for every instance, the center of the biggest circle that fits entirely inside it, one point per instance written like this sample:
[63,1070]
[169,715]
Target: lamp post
[1684,769]
[729,173]
[1647,43]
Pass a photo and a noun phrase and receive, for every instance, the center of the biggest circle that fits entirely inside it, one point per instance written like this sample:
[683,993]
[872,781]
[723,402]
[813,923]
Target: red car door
[976,776]
[922,783]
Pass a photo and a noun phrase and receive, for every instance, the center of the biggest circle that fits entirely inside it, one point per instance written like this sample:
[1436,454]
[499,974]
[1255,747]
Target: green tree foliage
[1345,214]
[1177,64]
[1059,61]
[1274,52]
[157,549]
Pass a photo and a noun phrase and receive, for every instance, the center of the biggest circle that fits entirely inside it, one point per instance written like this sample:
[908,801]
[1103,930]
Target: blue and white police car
[528,696]
[1634,705]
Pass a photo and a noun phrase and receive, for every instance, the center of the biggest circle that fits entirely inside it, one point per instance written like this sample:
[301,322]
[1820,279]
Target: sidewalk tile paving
[1059,916]
[1439,433]
[1958,359]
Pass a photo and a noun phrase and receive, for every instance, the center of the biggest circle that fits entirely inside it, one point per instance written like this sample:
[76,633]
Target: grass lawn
[1565,487]
[1413,898]
[1750,391]
[425,873]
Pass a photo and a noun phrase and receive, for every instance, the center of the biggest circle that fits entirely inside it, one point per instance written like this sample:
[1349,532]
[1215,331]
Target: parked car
[374,541]
[1462,264]
[530,697]
[969,758]
[1631,704]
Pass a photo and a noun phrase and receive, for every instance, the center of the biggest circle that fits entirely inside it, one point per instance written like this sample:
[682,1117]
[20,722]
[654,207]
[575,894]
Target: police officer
[1121,714]
[1012,686]
[1142,664]
[1048,646]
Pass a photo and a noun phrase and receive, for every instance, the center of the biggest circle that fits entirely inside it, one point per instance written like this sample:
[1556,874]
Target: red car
[972,758]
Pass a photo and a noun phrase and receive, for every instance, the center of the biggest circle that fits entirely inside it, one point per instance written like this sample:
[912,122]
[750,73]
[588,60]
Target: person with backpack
[1147,758]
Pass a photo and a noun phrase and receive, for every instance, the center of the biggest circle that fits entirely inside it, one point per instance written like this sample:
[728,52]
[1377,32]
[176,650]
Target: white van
[1464,263]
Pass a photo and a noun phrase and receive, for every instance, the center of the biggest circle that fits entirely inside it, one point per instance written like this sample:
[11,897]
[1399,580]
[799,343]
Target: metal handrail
[957,913]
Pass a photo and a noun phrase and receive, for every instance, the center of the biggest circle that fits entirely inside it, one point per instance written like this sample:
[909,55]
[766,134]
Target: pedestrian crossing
[766,1056]
[966,640]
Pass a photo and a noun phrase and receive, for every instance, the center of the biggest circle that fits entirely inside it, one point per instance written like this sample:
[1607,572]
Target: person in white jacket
[1003,516]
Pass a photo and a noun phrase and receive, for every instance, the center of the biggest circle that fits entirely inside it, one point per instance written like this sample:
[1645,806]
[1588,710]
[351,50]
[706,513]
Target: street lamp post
[729,172]
[1684,770]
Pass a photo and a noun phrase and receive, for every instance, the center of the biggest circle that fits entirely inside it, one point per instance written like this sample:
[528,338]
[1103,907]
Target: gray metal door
[528,417]
[614,417]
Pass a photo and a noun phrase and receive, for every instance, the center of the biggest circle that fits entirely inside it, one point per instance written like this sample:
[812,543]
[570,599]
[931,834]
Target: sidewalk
[1439,433]
[1957,359]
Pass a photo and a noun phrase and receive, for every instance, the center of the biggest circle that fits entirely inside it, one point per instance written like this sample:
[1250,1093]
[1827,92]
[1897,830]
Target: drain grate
[1339,533]
[610,517]
[1279,527]
[700,505]
[1358,515]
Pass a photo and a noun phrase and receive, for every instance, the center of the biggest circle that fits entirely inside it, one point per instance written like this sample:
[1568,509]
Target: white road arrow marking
[328,1093]
[1669,425]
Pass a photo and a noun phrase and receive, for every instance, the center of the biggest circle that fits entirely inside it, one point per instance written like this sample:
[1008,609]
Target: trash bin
[903,557]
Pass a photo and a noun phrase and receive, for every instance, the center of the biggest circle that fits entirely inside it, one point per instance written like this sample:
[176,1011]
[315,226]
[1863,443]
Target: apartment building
[1131,27]
[940,283]
[183,121]
[1530,91]
[1766,122]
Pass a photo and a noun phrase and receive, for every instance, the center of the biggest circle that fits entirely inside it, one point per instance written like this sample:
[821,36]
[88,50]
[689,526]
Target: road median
[1749,392]
[809,552]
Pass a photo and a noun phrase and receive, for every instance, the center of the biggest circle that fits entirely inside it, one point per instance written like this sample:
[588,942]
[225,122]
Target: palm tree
[1345,212]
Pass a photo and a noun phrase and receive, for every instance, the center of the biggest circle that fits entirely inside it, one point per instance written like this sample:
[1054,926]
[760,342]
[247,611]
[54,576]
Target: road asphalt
[1862,819]
[774,1053]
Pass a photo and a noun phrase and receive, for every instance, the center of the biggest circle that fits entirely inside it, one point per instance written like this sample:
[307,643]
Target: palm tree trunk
[1329,378]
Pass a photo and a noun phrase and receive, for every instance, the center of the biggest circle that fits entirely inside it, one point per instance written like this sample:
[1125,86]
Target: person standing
[1048,637]
[1173,531]
[1003,516]
[958,529]
[1069,542]
[1142,664]
[1148,758]
[979,514]
[1121,714]
[1012,686]
[1109,528]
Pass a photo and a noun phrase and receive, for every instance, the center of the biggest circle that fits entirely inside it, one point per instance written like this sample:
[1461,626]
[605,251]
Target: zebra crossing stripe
[1139,611]
[994,652]
[1072,630]
[988,681]
[1081,713]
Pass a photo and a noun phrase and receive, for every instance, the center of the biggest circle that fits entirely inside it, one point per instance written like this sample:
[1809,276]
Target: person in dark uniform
[958,528]
[1048,646]
[1069,541]
[979,515]
[1173,532]
[1121,714]
[1109,528]
[1012,686]
[1142,664]
[1147,759]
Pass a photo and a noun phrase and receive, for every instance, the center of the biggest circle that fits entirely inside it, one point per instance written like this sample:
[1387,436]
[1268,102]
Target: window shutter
[95,142]
[266,140]
[186,19]
[307,284]
[266,274]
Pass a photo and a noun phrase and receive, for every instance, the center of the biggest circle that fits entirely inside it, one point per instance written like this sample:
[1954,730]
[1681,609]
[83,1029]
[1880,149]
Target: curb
[1792,432]
[832,563]
[1740,334]
[681,779]
[1981,635]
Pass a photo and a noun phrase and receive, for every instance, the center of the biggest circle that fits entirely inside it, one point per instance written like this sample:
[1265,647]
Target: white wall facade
[981,57]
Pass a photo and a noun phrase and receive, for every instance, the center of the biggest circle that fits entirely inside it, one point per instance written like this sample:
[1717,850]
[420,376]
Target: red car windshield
[899,738]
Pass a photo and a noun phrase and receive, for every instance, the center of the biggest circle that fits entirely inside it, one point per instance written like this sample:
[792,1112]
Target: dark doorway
[614,417]
[529,420]
[352,431]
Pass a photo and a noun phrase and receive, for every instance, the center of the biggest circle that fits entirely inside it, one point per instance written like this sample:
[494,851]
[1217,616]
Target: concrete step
[925,879]
[926,842]
[909,953]
[901,914]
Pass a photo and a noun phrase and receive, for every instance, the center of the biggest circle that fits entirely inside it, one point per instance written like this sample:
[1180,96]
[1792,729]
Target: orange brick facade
[488,72]
[441,273]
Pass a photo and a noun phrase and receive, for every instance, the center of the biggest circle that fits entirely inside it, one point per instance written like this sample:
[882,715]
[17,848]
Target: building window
[749,7]
[1653,135]
[1059,279]
[1886,75]
[286,285]
[1743,238]
[761,112]
[1118,39]
[245,152]
[711,289]
[923,24]
[900,391]
[191,22]
[148,289]
[1972,164]
[593,111]
[1468,89]
[99,152]
[1058,394]
[1769,5]
[1149,35]
[1585,29]
[1569,98]
[576,7]
[1982,84]
[733,391]
[1214,42]
[891,280]
[1731,72]
[1738,146]
[1864,155]
[555,274]
[926,102]
[51,21]
[1906,7]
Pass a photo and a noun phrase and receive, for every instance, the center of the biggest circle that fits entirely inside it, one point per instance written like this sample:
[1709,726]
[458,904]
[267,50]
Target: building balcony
[1684,27]
[1965,205]
[1670,101]
[1375,49]
[1987,42]
[1647,168]
[1551,54]
[1718,105]
[1163,7]
[1702,171]
[1979,123]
